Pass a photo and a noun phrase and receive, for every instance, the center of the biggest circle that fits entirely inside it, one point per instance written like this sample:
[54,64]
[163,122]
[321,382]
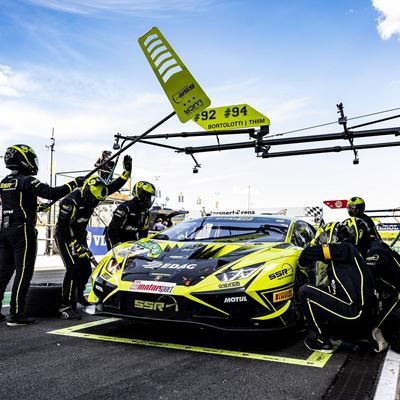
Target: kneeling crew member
[130,220]
[76,210]
[385,266]
[18,236]
[344,308]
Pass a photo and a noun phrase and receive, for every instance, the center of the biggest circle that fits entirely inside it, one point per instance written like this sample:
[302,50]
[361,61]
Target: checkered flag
[313,211]
[316,213]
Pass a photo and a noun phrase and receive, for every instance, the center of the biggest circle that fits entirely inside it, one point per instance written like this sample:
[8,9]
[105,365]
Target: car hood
[186,263]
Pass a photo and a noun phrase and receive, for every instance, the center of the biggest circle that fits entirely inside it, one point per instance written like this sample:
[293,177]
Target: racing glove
[80,180]
[79,250]
[43,207]
[77,182]
[127,165]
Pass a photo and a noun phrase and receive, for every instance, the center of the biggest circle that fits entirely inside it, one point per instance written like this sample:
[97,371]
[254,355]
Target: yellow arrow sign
[230,117]
[184,93]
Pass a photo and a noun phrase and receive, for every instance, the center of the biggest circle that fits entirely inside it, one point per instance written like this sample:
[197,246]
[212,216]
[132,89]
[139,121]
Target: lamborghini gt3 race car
[234,273]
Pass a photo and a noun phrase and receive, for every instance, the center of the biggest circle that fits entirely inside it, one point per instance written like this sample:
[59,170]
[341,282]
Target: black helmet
[22,158]
[145,192]
[358,229]
[94,189]
[333,232]
[356,207]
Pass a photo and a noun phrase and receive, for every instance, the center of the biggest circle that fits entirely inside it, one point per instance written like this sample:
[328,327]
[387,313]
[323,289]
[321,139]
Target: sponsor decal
[178,96]
[151,287]
[375,257]
[105,275]
[283,273]
[283,295]
[168,303]
[153,247]
[162,265]
[99,288]
[240,299]
[9,185]
[228,285]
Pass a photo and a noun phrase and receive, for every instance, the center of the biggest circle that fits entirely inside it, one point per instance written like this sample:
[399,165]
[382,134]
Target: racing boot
[69,313]
[83,302]
[20,320]
[378,341]
[319,343]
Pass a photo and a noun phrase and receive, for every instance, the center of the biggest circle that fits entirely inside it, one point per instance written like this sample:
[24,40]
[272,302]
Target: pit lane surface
[100,358]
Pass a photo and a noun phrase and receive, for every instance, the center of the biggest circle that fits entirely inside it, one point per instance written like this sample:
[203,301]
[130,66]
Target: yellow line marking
[316,359]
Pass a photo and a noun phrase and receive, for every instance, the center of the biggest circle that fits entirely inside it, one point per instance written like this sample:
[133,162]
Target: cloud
[12,84]
[389,20]
[133,7]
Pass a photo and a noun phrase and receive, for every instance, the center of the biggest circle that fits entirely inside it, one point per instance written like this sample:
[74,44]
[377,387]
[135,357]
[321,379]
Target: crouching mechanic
[130,220]
[75,212]
[345,308]
[385,266]
[18,236]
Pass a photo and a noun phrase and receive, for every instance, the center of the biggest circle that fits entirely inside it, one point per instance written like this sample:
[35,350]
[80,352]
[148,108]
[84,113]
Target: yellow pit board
[230,117]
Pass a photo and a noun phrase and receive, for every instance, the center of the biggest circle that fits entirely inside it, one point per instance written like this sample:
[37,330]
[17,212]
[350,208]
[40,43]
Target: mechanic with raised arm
[356,208]
[76,210]
[345,308]
[130,220]
[18,236]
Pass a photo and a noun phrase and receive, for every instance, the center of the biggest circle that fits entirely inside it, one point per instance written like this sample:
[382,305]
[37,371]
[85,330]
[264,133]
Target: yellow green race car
[227,272]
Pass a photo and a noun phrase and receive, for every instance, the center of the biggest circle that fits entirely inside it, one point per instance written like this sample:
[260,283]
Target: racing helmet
[355,207]
[94,189]
[359,230]
[22,158]
[334,232]
[145,192]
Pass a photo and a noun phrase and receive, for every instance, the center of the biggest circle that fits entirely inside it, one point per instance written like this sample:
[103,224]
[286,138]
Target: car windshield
[228,229]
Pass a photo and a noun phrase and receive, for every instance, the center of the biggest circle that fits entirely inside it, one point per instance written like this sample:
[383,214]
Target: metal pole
[49,230]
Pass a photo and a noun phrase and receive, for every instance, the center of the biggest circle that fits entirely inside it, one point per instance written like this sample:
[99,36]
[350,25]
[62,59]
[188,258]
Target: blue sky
[76,66]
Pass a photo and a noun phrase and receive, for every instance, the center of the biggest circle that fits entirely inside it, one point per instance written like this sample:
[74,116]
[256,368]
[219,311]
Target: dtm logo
[283,273]
[235,299]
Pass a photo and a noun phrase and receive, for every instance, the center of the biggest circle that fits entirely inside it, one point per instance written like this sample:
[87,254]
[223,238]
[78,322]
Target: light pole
[158,191]
[49,243]
[248,200]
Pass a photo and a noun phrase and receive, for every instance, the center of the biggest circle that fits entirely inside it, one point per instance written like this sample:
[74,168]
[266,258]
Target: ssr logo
[283,273]
[169,303]
[178,96]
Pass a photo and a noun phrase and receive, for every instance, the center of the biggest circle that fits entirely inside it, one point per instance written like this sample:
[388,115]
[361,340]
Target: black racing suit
[345,307]
[18,244]
[75,213]
[384,263]
[130,221]
[371,225]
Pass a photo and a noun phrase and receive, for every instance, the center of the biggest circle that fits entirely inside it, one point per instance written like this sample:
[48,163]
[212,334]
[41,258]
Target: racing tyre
[43,300]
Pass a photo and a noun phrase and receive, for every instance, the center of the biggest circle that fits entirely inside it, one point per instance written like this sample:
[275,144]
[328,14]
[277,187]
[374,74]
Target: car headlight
[113,266]
[241,273]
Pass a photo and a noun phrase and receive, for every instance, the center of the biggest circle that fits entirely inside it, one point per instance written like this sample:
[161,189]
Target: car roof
[244,217]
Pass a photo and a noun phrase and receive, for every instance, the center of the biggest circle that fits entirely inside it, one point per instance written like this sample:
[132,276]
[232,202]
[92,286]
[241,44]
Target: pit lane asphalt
[35,364]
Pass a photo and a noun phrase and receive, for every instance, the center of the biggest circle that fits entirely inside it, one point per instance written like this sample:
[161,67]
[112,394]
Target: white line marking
[387,388]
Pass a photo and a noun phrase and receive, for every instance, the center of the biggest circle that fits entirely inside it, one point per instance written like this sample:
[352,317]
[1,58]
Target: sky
[75,66]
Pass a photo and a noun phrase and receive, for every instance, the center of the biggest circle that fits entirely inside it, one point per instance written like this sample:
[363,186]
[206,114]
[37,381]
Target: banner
[336,203]
[96,241]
